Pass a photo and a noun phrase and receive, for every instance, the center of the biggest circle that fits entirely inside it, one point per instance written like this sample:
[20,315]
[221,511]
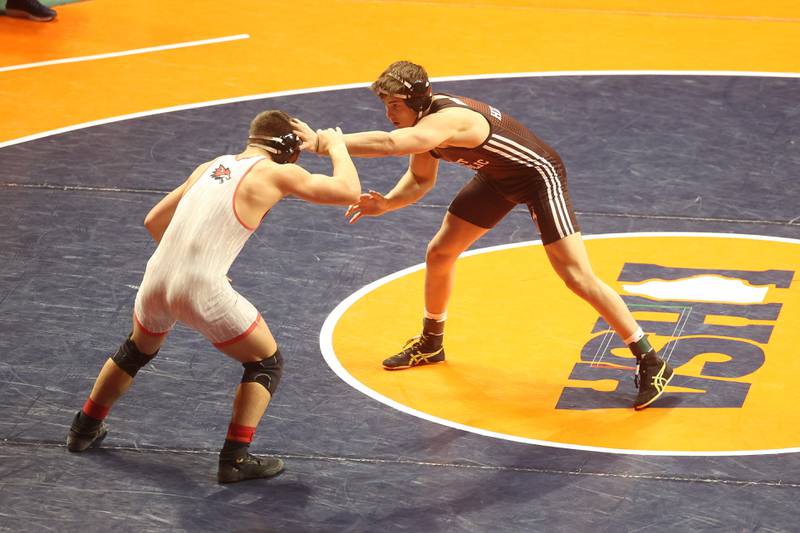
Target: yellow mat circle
[517,339]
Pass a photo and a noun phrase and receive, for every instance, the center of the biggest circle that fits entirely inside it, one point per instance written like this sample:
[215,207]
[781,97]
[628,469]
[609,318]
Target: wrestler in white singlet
[186,278]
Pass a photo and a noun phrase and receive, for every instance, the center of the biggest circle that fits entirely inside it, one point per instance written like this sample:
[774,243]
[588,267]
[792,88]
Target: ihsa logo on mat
[529,361]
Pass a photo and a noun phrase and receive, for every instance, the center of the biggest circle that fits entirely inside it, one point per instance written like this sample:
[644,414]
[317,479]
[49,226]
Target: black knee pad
[266,372]
[130,359]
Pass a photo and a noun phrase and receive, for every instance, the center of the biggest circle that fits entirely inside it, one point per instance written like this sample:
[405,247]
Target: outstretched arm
[430,132]
[159,217]
[413,185]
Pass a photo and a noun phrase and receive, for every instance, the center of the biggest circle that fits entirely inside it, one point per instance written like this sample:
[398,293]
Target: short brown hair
[405,70]
[271,123]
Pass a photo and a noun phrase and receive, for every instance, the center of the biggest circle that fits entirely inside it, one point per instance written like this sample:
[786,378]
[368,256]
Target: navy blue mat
[644,153]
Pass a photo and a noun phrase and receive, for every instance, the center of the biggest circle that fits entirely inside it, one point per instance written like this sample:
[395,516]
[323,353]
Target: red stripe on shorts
[237,338]
[145,330]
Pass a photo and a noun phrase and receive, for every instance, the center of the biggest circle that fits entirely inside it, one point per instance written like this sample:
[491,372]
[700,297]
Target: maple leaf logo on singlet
[221,174]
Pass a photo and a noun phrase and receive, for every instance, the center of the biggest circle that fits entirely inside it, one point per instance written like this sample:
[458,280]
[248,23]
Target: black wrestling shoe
[415,353]
[240,465]
[30,9]
[652,376]
[80,438]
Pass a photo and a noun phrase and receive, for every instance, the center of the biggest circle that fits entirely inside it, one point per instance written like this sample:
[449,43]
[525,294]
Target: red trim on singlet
[145,330]
[233,200]
[237,338]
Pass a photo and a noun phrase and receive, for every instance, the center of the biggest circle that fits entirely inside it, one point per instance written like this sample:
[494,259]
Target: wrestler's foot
[83,436]
[417,351]
[240,465]
[652,376]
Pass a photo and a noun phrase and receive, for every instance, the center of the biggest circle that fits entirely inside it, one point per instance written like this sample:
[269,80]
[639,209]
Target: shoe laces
[414,351]
[414,345]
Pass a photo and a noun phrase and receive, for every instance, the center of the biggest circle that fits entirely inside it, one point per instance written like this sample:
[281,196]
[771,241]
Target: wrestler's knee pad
[266,372]
[130,359]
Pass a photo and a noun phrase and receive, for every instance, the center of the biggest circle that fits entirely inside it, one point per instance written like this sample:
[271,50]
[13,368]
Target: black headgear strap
[417,94]
[283,148]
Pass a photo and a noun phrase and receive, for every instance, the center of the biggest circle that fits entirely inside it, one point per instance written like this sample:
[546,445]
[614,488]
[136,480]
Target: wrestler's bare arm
[412,185]
[450,127]
[342,187]
[432,131]
[415,183]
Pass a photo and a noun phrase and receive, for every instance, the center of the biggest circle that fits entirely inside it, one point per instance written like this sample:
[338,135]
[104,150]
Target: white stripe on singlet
[548,172]
[524,155]
[542,173]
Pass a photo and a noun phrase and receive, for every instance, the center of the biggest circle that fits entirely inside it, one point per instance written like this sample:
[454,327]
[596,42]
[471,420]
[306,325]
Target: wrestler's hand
[372,204]
[306,134]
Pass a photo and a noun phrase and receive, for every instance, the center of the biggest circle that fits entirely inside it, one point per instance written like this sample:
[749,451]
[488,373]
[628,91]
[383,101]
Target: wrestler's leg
[112,382]
[263,363]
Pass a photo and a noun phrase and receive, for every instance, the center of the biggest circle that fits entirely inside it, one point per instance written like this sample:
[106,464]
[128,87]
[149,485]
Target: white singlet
[186,278]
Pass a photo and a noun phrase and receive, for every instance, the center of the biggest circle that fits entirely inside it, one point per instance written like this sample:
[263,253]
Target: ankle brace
[640,348]
[432,333]
[432,327]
